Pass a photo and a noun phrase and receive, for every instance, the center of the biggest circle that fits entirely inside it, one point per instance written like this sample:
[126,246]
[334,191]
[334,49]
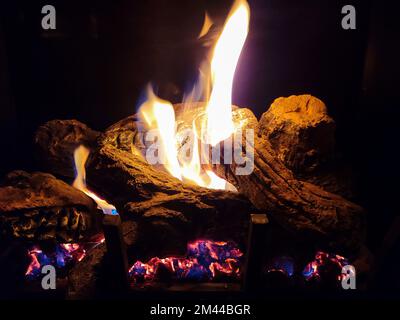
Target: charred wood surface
[168,211]
[300,131]
[38,206]
[299,206]
[55,142]
[302,134]
[169,208]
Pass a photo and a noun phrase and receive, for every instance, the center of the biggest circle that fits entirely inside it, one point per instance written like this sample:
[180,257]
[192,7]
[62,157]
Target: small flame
[206,26]
[81,155]
[34,264]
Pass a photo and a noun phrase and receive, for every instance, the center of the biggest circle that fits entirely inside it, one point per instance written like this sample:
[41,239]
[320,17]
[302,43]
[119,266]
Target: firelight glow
[217,124]
[81,155]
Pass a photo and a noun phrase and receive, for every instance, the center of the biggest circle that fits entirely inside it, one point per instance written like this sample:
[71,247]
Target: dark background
[95,65]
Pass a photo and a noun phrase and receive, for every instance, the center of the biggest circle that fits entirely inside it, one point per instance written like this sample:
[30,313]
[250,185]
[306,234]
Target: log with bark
[169,212]
[299,206]
[169,209]
[38,206]
[300,131]
[56,141]
[302,134]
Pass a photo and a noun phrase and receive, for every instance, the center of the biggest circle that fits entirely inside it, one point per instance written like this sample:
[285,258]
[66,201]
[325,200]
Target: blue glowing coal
[205,260]
[283,264]
[61,256]
[322,262]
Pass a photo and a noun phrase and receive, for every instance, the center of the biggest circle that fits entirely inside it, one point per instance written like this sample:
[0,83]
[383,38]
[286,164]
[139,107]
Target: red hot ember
[205,260]
[325,263]
[62,256]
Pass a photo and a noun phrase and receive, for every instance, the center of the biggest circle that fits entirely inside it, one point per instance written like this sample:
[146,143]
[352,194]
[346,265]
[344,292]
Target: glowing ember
[205,261]
[282,264]
[217,125]
[322,263]
[63,256]
[80,156]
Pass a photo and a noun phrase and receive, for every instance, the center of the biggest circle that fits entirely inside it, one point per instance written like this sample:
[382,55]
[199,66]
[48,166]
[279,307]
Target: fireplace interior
[289,179]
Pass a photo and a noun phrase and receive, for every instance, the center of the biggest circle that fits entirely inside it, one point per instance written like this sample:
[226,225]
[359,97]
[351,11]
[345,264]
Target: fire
[81,155]
[160,114]
[325,261]
[34,264]
[62,256]
[225,58]
[217,124]
[74,247]
[205,260]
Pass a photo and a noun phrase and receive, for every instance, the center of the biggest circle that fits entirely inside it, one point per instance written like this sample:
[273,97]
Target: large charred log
[169,212]
[299,206]
[56,141]
[40,207]
[171,208]
[300,131]
[302,134]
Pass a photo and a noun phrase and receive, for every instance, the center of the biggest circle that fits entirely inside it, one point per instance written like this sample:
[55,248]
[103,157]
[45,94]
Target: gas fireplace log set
[161,214]
[167,208]
[177,195]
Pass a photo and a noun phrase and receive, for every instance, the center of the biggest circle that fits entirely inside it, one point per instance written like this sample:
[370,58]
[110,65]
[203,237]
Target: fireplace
[189,193]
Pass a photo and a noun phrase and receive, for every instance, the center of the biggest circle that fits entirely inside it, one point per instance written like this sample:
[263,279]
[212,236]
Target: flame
[34,264]
[160,114]
[206,26]
[81,154]
[217,125]
[223,65]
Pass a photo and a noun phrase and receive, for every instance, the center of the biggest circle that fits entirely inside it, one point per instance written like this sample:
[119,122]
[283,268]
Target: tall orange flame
[223,65]
[217,125]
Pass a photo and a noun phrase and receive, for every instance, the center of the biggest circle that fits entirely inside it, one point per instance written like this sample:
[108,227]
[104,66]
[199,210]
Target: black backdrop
[96,64]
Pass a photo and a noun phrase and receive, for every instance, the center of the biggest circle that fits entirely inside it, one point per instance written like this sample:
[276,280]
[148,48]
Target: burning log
[56,141]
[40,207]
[298,206]
[164,204]
[170,212]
